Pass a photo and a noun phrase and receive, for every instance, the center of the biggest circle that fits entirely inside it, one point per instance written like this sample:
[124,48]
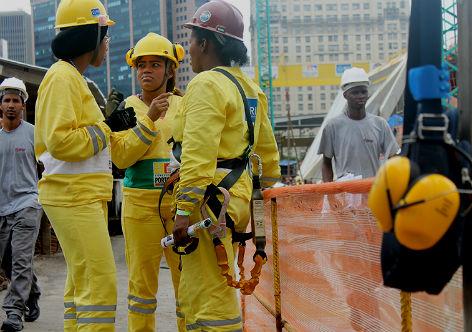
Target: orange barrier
[323,270]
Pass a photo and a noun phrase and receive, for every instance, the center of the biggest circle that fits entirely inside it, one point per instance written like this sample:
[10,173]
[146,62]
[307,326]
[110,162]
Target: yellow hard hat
[71,13]
[154,44]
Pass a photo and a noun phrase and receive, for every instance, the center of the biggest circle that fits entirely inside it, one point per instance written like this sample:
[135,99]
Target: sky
[15,5]
[245,7]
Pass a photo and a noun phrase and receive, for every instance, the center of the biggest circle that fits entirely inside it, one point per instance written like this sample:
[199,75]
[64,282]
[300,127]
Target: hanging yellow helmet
[71,13]
[154,44]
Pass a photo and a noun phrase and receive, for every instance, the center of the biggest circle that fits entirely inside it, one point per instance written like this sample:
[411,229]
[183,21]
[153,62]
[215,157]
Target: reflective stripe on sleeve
[187,198]
[147,130]
[100,133]
[141,136]
[194,190]
[94,138]
[70,316]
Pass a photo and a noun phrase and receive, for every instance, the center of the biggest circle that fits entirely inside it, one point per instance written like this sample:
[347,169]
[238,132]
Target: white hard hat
[9,85]
[353,77]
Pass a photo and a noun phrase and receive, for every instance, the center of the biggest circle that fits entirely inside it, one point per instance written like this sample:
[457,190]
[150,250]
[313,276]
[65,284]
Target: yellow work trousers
[143,231]
[90,290]
[207,302]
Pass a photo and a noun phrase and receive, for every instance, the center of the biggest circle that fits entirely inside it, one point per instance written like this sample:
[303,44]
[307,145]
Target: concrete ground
[51,272]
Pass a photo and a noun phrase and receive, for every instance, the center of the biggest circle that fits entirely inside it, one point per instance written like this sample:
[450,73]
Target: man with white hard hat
[357,140]
[20,212]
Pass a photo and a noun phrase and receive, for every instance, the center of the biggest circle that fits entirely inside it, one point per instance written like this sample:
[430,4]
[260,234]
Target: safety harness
[237,167]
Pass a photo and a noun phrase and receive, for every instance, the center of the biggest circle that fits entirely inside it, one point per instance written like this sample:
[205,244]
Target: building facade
[134,19]
[182,12]
[16,28]
[44,16]
[312,42]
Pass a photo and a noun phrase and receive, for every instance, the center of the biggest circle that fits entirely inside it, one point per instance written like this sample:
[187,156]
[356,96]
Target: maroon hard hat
[219,16]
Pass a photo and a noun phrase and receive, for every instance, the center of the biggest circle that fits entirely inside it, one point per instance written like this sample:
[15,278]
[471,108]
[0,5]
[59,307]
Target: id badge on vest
[252,103]
[161,172]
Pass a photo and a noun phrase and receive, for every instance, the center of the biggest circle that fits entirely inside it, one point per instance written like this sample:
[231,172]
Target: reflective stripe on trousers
[206,300]
[214,323]
[143,230]
[90,290]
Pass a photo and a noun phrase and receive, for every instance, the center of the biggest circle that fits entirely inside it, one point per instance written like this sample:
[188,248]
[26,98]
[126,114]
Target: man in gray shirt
[20,212]
[355,139]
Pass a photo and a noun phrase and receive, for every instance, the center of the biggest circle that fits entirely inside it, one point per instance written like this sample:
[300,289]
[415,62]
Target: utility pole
[108,63]
[464,10]
[131,41]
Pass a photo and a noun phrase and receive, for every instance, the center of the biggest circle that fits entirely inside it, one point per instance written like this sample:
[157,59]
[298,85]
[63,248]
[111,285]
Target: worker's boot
[12,323]
[32,308]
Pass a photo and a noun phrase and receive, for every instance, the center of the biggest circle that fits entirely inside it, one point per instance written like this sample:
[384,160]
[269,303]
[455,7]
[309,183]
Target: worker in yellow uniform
[144,152]
[72,142]
[215,137]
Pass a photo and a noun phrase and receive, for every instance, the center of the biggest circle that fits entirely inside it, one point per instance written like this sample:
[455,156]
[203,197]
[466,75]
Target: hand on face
[159,106]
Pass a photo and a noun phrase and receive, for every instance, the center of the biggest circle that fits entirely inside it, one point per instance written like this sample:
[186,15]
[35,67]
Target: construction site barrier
[323,271]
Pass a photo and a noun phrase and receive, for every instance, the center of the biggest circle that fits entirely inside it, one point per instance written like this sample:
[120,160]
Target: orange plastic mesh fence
[329,261]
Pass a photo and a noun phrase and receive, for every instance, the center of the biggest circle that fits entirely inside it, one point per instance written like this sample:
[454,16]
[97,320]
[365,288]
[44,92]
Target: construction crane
[264,60]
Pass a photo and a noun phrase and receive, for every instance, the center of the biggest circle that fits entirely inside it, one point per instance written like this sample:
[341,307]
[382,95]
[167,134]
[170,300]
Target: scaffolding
[449,51]
[264,59]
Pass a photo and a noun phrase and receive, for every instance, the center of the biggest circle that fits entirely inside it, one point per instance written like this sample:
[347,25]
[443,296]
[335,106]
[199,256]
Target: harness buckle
[422,128]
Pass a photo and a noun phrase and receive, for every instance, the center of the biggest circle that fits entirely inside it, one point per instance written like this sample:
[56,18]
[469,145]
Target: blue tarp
[286,162]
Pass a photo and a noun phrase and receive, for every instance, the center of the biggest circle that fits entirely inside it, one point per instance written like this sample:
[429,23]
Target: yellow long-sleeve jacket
[71,140]
[144,152]
[211,125]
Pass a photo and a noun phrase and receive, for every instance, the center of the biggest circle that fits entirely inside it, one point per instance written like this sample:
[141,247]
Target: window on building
[321,57]
[298,49]
[323,96]
[321,48]
[285,40]
[323,106]
[296,8]
[358,47]
[310,97]
[344,6]
[299,59]
[366,5]
[307,39]
[318,7]
[367,47]
[307,48]
[320,39]
[332,7]
[356,6]
[298,39]
[356,17]
[346,57]
[306,7]
[345,38]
